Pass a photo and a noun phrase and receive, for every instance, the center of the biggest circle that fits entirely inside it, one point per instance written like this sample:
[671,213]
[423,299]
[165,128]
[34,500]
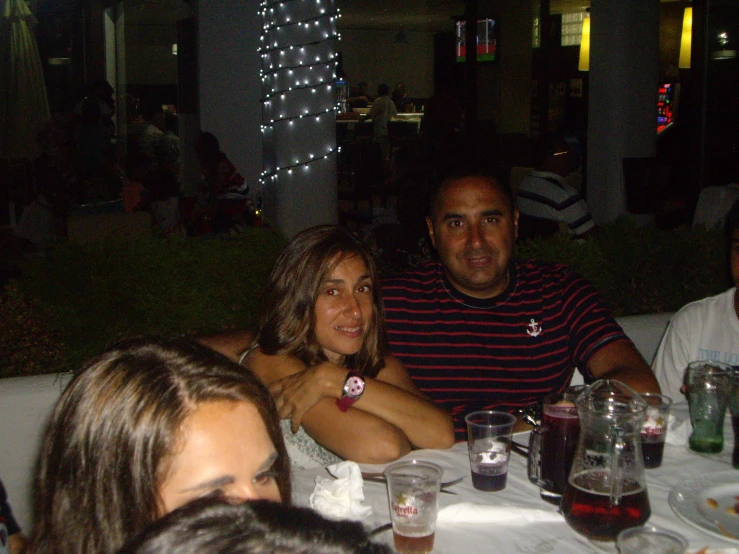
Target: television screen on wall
[486,41]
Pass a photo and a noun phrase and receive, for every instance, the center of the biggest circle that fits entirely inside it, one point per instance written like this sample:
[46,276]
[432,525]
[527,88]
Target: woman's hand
[295,394]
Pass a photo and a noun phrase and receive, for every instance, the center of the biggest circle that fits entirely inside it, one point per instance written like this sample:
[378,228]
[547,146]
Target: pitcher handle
[533,463]
[617,478]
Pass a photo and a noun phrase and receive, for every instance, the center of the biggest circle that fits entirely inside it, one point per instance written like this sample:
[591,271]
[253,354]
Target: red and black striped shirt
[501,353]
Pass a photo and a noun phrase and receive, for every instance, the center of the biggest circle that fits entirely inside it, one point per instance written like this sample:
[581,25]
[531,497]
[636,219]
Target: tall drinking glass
[709,387]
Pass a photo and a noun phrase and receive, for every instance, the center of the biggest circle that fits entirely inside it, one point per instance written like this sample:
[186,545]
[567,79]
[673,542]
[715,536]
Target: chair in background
[361,170]
[363,131]
[714,204]
[402,135]
[641,191]
[535,227]
[401,131]
[515,149]
[574,180]
[517,176]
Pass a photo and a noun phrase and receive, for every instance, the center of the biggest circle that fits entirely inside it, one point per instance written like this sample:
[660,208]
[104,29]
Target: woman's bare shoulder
[270,368]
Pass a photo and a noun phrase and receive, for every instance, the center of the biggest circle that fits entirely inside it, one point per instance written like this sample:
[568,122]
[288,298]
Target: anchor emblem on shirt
[533,329]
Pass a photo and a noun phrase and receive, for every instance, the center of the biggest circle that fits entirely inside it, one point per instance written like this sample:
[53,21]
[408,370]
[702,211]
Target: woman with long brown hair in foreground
[143,429]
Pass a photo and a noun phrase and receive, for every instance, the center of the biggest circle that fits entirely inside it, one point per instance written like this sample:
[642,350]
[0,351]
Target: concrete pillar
[230,107]
[515,68]
[623,80]
[299,125]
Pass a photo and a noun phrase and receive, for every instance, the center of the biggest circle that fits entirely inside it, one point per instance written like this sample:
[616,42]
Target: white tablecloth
[679,465]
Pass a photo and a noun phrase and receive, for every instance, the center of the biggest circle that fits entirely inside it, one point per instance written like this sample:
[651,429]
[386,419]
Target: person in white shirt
[707,329]
[382,110]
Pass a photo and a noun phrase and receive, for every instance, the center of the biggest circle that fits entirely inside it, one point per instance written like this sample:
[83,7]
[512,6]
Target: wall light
[723,53]
[686,40]
[584,63]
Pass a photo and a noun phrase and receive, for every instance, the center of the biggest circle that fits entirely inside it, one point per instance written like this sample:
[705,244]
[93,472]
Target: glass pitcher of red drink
[607,490]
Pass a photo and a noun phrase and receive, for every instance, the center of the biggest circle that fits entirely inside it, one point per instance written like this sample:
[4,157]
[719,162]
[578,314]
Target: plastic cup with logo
[413,493]
[654,429]
[489,445]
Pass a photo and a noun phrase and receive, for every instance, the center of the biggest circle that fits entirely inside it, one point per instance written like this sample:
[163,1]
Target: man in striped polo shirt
[479,330]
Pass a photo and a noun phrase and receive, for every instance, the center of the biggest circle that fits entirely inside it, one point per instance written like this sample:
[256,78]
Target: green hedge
[642,270]
[83,297]
[71,303]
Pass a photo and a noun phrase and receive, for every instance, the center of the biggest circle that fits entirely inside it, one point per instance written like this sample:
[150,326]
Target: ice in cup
[709,387]
[650,540]
[413,493]
[489,445]
[654,429]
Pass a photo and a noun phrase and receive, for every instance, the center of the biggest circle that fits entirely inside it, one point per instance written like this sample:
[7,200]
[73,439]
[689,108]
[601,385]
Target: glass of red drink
[413,493]
[489,445]
[553,444]
[654,428]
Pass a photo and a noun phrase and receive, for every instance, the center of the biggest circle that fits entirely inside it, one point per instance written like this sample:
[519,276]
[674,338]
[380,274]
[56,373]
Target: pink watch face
[354,386]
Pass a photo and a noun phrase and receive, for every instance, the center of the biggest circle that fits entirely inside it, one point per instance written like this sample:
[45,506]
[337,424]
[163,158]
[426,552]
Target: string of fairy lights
[298,74]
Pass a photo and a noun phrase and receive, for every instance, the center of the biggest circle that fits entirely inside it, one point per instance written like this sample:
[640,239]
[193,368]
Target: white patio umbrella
[24,107]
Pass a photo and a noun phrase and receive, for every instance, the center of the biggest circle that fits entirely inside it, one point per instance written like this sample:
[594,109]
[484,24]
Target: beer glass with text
[413,493]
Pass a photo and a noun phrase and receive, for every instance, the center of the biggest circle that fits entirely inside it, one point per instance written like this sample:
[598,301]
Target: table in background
[405,125]
[680,464]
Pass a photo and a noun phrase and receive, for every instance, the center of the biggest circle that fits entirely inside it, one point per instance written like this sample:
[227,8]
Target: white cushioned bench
[26,402]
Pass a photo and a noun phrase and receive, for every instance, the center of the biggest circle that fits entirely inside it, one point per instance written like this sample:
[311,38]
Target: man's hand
[296,394]
[18,543]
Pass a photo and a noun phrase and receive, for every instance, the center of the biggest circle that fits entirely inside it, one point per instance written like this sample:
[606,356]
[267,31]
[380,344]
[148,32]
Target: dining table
[683,473]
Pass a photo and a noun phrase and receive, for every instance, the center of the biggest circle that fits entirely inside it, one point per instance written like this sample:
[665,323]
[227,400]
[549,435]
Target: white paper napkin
[469,512]
[341,498]
[678,432]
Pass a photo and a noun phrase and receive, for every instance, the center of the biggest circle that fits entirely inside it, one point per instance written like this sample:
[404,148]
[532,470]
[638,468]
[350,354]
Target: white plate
[690,501]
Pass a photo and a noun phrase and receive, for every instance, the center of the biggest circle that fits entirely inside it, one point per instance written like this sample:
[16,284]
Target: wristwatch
[351,391]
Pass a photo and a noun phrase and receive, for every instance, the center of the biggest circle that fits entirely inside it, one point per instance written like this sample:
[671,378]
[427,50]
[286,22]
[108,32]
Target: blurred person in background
[382,110]
[224,204]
